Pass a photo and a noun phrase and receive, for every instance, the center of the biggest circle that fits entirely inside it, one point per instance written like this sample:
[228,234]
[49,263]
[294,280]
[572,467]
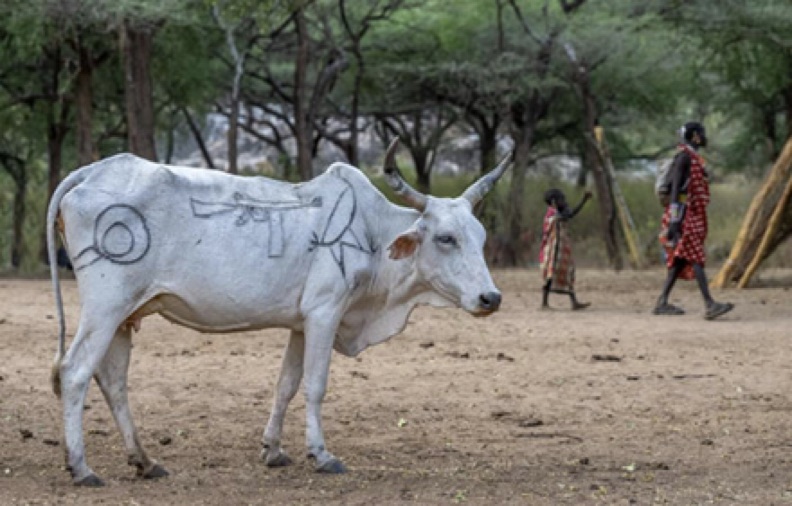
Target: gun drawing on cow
[255,210]
[250,208]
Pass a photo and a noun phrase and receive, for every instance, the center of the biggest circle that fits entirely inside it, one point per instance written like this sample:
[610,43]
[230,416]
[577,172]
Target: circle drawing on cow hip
[117,241]
[121,236]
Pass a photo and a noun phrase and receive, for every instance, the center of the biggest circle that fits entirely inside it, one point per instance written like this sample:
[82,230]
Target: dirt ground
[606,406]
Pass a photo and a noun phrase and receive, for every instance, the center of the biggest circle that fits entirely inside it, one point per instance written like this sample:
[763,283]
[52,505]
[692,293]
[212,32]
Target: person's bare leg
[701,279]
[576,304]
[546,294]
[713,309]
[663,307]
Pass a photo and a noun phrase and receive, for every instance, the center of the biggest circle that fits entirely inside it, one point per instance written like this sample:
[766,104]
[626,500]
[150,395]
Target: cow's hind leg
[86,352]
[289,382]
[111,375]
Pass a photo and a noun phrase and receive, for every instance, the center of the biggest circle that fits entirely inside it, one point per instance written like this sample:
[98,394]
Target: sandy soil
[606,406]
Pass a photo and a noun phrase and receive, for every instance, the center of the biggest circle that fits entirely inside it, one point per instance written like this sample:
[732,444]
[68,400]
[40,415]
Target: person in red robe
[555,253]
[684,224]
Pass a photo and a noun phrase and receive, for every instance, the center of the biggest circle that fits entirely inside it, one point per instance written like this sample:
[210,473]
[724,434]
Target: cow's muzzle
[488,303]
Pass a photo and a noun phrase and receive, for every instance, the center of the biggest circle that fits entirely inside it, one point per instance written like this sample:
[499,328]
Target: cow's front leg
[319,334]
[289,382]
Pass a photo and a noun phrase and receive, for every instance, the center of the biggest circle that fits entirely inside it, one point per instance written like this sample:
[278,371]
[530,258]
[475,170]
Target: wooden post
[770,231]
[741,253]
[625,217]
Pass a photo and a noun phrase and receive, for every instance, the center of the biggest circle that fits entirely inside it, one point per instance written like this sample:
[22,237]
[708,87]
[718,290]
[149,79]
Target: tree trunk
[57,127]
[136,47]
[55,135]
[512,254]
[56,132]
[420,158]
[16,169]
[233,134]
[602,179]
[525,118]
[488,146]
[83,94]
[354,113]
[170,139]
[196,132]
[236,84]
[302,127]
[585,164]
[788,106]
[602,183]
[770,131]
[19,220]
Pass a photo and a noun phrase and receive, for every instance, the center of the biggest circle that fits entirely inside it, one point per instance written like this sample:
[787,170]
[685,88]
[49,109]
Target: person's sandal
[577,306]
[668,309]
[718,309]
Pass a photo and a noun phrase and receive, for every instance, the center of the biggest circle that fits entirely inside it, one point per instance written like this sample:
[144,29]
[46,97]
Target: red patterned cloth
[555,253]
[690,246]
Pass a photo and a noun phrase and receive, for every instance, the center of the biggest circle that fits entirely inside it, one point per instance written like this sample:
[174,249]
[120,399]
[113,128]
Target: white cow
[331,259]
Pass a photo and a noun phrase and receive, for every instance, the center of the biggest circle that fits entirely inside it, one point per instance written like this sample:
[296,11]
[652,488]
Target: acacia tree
[136,40]
[241,33]
[493,65]
[420,131]
[136,26]
[295,69]
[402,89]
[744,61]
[91,53]
[35,87]
[300,90]
[593,76]
[470,78]
[357,17]
[517,66]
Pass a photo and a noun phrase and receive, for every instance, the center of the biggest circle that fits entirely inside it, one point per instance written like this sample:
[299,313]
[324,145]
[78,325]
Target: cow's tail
[71,181]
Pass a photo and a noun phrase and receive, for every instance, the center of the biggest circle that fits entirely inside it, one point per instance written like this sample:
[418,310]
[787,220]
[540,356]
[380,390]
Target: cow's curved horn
[393,176]
[480,188]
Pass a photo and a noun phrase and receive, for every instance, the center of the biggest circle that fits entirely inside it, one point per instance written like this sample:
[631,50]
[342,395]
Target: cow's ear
[404,245]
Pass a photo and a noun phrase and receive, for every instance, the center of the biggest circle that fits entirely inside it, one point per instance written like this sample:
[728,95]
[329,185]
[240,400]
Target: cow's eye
[446,239]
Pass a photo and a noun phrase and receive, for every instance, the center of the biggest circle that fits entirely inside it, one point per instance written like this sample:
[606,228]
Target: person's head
[694,134]
[555,198]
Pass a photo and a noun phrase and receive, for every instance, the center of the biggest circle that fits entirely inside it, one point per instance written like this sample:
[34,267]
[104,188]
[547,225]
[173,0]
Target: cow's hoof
[331,466]
[154,472]
[89,481]
[280,459]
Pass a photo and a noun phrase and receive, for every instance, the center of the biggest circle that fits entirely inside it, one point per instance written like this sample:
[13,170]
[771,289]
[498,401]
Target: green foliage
[652,65]
[744,57]
[186,64]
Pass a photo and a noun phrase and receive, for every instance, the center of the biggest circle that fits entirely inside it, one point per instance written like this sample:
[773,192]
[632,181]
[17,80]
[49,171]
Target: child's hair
[553,194]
